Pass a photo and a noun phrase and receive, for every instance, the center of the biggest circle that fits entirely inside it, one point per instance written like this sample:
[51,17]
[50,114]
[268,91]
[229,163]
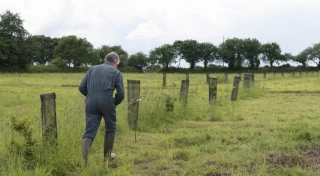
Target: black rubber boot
[86,144]
[108,145]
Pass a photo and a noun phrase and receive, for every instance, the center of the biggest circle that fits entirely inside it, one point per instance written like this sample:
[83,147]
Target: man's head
[112,58]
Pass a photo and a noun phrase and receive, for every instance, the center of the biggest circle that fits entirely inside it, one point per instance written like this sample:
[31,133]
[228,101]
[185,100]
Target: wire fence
[293,83]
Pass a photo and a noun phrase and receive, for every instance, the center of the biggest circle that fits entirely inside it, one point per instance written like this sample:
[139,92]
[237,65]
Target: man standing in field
[98,85]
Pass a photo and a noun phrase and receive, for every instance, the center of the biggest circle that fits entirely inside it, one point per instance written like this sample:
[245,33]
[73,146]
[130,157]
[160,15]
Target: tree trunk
[231,65]
[205,63]
[252,65]
[192,65]
[179,63]
[166,65]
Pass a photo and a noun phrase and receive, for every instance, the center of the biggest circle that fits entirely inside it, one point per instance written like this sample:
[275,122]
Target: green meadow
[272,129]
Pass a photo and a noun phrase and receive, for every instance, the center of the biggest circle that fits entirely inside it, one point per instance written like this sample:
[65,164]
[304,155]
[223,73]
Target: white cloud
[146,30]
[142,25]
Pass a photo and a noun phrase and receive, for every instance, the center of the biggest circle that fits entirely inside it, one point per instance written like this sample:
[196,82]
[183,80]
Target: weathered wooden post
[187,75]
[184,92]
[246,82]
[300,73]
[164,79]
[207,77]
[265,75]
[282,74]
[235,88]
[213,83]
[240,75]
[226,76]
[293,74]
[252,79]
[306,73]
[49,120]
[133,102]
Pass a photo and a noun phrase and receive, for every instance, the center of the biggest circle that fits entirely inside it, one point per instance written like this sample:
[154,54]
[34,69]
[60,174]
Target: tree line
[21,50]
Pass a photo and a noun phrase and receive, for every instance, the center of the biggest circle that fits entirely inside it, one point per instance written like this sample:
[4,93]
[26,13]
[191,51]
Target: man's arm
[118,84]
[83,85]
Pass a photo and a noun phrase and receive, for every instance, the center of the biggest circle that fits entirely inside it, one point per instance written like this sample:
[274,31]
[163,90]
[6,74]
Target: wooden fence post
[164,79]
[226,76]
[240,75]
[207,77]
[274,74]
[133,102]
[184,92]
[49,119]
[252,78]
[264,75]
[246,82]
[187,75]
[293,74]
[282,74]
[235,88]
[213,83]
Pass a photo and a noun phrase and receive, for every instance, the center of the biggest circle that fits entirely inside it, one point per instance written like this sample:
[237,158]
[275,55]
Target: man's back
[103,79]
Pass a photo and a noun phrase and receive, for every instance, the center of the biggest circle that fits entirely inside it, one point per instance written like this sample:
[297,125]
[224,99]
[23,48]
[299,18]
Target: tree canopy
[163,55]
[139,61]
[123,55]
[189,50]
[271,52]
[19,50]
[75,51]
[15,51]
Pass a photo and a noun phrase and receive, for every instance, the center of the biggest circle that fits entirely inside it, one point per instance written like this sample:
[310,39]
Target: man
[98,85]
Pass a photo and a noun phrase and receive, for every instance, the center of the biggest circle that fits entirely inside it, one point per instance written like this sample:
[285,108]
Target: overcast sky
[142,25]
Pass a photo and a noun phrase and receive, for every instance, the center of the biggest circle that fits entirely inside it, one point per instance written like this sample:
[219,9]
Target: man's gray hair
[112,57]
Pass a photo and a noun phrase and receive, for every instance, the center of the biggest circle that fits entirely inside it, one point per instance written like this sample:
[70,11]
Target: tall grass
[267,131]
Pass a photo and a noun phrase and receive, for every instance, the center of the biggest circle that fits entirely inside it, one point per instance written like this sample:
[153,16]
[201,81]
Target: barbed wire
[181,104]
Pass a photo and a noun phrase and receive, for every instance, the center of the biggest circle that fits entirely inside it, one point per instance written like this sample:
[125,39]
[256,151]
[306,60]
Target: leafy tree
[14,49]
[189,51]
[164,55]
[231,52]
[138,60]
[271,52]
[4,52]
[302,57]
[208,53]
[251,52]
[123,55]
[309,54]
[315,54]
[75,51]
[42,47]
[58,62]
[285,58]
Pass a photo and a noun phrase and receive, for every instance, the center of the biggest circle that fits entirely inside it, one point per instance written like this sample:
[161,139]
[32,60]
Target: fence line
[135,101]
[225,97]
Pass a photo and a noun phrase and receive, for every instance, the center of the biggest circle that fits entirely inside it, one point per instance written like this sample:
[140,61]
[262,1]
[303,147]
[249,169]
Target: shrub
[25,149]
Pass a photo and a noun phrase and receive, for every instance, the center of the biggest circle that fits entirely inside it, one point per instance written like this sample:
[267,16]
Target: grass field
[272,129]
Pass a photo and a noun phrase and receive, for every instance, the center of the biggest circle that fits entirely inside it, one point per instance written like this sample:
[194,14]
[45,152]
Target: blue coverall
[98,85]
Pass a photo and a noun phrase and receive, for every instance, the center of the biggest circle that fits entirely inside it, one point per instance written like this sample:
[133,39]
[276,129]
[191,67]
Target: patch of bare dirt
[303,157]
